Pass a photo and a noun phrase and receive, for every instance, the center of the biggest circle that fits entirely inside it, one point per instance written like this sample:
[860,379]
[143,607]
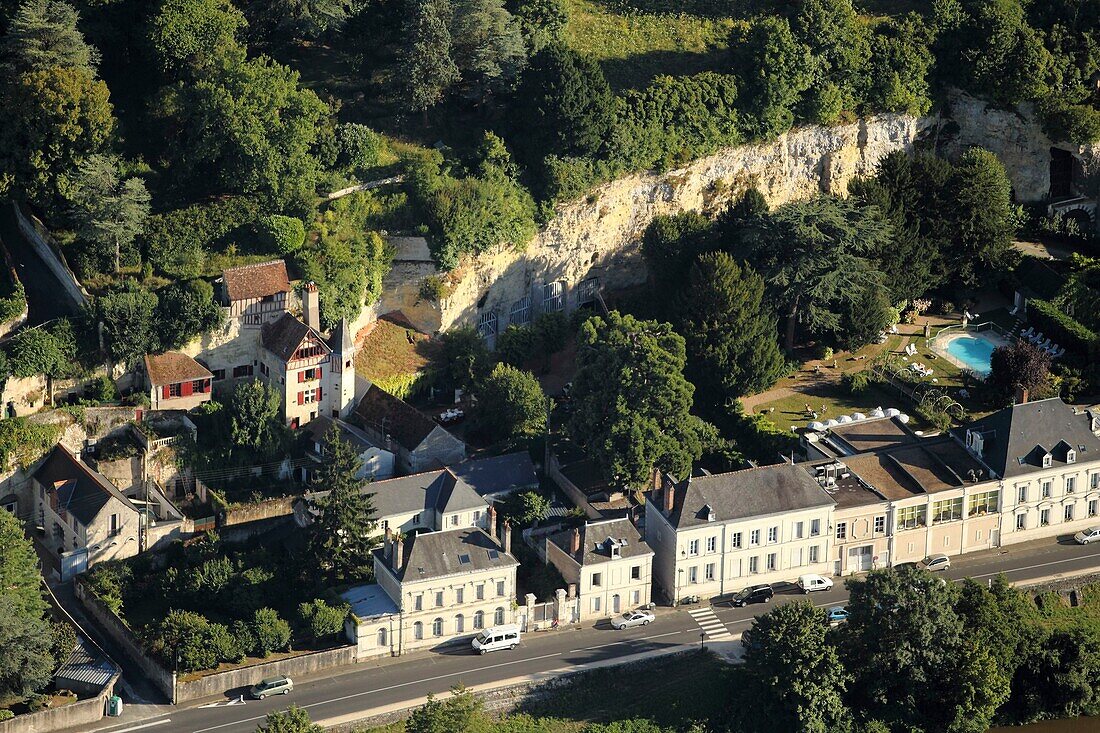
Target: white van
[810,583]
[497,638]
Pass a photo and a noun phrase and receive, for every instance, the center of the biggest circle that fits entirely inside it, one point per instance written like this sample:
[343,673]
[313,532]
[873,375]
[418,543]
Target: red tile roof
[256,281]
[174,367]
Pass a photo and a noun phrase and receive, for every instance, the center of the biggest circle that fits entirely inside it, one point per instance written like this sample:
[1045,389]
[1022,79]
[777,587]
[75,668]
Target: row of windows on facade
[553,301]
[1046,487]
[635,599]
[249,370]
[460,595]
[1068,512]
[438,626]
[736,539]
[452,521]
[812,556]
[635,574]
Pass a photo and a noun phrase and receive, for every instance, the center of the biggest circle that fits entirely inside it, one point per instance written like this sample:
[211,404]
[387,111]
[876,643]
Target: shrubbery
[282,234]
[1061,328]
[359,146]
[177,242]
[319,620]
[272,633]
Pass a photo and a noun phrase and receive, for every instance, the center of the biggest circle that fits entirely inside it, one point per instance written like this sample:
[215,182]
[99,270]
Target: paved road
[367,687]
[45,295]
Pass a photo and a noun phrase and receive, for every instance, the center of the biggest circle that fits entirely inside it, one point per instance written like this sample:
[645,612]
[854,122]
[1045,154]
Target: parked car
[753,594]
[496,638]
[810,583]
[935,562]
[1085,536]
[836,615]
[281,685]
[632,618]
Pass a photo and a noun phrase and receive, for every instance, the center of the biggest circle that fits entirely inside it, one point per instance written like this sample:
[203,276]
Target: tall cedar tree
[563,106]
[982,216]
[26,663]
[425,68]
[730,332]
[632,402]
[108,210]
[794,679]
[342,534]
[488,47]
[44,35]
[816,257]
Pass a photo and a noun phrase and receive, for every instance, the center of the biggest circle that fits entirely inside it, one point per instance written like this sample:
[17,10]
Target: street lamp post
[702,636]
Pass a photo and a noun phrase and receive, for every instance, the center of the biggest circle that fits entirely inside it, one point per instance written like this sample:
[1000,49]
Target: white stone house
[609,564]
[714,535]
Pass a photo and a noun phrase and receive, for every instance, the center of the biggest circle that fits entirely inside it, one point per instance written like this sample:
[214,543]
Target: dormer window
[1071,456]
[1047,460]
[708,513]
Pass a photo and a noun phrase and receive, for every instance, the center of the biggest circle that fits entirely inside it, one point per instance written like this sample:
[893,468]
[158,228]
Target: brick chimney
[387,552]
[575,541]
[311,306]
[492,521]
[669,495]
[506,532]
[1021,395]
[399,556]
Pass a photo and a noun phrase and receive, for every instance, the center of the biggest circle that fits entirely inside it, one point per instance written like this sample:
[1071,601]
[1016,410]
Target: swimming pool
[972,352]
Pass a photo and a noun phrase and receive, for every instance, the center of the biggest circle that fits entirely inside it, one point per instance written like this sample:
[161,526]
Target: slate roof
[283,337]
[597,538]
[256,281]
[439,554]
[440,491]
[341,338]
[173,367]
[1010,436]
[407,425]
[80,491]
[369,602]
[498,474]
[752,492]
[318,428]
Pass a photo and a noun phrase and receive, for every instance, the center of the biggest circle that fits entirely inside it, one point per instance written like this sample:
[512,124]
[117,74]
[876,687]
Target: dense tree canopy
[44,35]
[1019,365]
[729,330]
[109,212]
[511,403]
[192,37]
[632,402]
[27,663]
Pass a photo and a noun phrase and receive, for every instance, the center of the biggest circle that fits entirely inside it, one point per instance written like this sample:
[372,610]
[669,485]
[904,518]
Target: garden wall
[161,678]
[237,679]
[84,712]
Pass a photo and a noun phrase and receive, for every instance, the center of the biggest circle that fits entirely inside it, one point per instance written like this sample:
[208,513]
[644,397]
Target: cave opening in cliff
[1061,174]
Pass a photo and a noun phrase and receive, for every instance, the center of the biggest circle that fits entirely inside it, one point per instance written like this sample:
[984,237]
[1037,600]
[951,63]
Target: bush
[102,389]
[272,632]
[359,146]
[282,234]
[12,303]
[856,382]
[38,703]
[64,640]
[432,289]
[6,714]
[1074,336]
[23,442]
[320,620]
[176,242]
[107,581]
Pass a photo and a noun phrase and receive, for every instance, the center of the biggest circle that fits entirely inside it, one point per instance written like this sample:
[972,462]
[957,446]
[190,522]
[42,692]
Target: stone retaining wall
[84,712]
[236,681]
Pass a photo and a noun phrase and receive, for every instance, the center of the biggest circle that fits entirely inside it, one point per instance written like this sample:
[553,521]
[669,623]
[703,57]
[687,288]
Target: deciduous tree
[291,720]
[128,315]
[511,403]
[256,423]
[185,309]
[775,69]
[1019,365]
[794,678]
[487,46]
[192,37]
[632,401]
[27,663]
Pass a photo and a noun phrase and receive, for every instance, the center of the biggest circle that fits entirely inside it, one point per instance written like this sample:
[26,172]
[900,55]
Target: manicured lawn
[633,46]
[791,410]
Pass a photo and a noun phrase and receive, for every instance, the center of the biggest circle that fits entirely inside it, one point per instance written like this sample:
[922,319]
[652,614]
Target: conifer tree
[341,541]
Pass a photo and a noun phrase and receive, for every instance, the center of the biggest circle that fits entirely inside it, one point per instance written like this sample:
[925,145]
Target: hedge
[1072,335]
[176,242]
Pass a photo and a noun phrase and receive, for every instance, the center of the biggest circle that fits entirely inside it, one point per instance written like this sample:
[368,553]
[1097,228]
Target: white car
[632,618]
[1085,536]
[810,583]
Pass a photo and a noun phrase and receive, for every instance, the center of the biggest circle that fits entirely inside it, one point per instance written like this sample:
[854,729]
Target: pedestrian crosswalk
[709,623]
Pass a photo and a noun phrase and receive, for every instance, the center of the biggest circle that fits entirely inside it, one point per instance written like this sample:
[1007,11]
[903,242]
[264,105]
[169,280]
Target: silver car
[1085,536]
[935,562]
[632,618]
[281,685]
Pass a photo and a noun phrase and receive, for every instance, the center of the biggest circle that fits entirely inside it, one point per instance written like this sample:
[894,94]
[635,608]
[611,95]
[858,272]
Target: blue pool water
[973,351]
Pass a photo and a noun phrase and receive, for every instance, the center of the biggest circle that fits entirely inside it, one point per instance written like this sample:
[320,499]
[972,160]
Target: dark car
[753,594]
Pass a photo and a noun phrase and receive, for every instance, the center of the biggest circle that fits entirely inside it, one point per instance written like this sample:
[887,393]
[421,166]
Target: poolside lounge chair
[1036,338]
[1025,334]
[1059,352]
[1045,344]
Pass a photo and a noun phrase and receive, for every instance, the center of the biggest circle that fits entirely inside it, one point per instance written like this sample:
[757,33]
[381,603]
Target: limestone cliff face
[599,236]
